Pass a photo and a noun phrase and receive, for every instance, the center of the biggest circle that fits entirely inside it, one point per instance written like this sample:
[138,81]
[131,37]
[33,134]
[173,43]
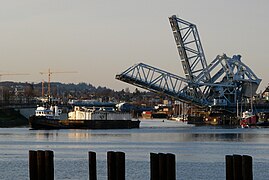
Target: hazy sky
[100,38]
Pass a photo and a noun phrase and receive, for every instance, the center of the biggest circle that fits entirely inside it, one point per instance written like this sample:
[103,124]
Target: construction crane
[221,84]
[49,73]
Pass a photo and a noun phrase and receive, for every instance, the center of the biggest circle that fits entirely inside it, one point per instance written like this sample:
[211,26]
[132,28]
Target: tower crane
[49,73]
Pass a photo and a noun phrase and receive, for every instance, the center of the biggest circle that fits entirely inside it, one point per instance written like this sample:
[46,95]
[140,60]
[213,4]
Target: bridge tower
[220,84]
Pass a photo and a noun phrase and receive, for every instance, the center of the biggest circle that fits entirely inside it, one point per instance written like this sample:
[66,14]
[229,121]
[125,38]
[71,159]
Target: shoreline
[12,118]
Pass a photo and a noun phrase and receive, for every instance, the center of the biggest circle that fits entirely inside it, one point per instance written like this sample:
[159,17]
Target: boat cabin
[83,113]
[52,113]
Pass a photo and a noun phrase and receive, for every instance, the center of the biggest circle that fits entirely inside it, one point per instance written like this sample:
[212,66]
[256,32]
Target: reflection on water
[198,149]
[219,137]
[86,135]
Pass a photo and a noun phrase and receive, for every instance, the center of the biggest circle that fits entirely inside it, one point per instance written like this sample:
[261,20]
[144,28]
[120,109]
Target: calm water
[200,151]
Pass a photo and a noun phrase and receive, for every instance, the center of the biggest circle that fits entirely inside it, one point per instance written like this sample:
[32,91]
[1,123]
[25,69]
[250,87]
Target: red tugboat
[248,119]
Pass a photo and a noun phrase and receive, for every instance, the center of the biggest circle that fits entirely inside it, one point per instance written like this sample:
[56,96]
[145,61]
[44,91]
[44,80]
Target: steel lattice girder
[233,77]
[225,79]
[190,49]
[160,81]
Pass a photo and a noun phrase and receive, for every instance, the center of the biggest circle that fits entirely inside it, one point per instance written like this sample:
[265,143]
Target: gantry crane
[220,84]
[49,73]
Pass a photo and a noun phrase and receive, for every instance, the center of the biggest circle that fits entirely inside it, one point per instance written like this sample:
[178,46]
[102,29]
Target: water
[200,151]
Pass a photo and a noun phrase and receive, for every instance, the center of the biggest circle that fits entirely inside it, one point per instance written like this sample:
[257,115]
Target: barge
[82,118]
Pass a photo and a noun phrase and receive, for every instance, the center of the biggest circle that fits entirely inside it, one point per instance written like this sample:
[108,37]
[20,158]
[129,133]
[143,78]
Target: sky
[101,38]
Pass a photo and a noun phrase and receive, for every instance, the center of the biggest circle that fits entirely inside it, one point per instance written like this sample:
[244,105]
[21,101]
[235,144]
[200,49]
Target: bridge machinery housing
[220,85]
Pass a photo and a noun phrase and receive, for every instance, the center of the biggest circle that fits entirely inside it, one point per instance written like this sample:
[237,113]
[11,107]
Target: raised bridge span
[221,84]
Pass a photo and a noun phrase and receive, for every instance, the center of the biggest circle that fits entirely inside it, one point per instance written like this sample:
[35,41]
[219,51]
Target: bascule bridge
[220,85]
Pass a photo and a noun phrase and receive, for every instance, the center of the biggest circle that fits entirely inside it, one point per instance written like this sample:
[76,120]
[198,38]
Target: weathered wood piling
[115,165]
[239,167]
[49,165]
[41,165]
[92,166]
[32,165]
[162,166]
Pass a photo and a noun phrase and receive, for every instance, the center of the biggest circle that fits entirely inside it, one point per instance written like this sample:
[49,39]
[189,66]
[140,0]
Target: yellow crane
[49,73]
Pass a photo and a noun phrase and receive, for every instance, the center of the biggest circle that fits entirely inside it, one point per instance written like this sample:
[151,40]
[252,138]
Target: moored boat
[146,115]
[82,118]
[248,119]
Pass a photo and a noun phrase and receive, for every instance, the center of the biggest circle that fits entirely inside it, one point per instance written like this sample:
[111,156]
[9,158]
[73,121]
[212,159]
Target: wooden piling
[32,165]
[247,172]
[49,165]
[92,166]
[154,166]
[229,167]
[237,167]
[120,165]
[111,165]
[41,165]
[162,166]
[170,167]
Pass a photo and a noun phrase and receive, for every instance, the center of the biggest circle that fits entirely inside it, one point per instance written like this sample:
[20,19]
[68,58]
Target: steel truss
[221,83]
[160,81]
[190,49]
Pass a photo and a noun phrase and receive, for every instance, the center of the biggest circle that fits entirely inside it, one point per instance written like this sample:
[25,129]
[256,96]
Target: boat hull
[262,124]
[44,123]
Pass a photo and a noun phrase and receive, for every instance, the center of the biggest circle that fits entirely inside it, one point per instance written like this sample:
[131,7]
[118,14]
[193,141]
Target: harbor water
[200,150]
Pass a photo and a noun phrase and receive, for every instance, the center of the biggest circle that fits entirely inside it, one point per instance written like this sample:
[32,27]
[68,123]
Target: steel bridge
[222,83]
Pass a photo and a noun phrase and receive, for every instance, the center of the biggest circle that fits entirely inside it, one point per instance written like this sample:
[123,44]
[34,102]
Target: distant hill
[58,86]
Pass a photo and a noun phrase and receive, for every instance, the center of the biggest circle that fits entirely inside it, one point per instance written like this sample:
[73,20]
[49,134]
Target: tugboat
[248,119]
[82,118]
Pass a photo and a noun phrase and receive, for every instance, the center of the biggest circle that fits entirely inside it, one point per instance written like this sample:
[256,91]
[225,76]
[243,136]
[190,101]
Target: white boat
[53,112]
[82,118]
